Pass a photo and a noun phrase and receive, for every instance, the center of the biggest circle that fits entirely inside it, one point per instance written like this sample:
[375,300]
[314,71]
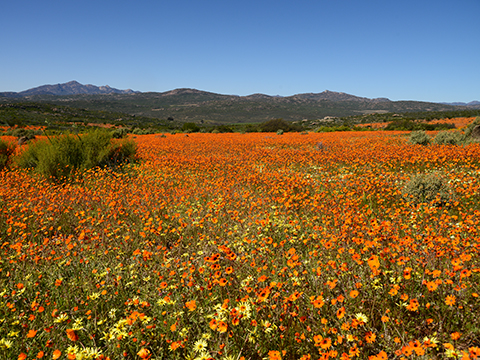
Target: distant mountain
[475,104]
[335,96]
[191,105]
[69,88]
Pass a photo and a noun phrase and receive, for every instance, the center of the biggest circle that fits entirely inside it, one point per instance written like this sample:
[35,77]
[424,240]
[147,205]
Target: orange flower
[370,337]
[222,327]
[274,355]
[374,263]
[213,324]
[175,345]
[354,294]
[40,354]
[144,353]
[56,354]
[450,300]
[22,356]
[191,305]
[413,306]
[326,343]
[455,335]
[318,302]
[31,333]
[72,335]
[407,273]
[431,286]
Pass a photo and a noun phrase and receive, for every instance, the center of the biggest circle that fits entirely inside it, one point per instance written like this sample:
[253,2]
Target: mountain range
[191,105]
[69,88]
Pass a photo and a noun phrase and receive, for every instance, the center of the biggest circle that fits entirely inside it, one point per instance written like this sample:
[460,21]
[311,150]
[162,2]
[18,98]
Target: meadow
[245,246]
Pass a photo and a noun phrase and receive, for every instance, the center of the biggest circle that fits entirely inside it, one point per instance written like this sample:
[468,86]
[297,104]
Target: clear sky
[403,49]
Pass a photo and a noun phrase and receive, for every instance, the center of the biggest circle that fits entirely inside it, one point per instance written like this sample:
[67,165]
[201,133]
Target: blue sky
[403,50]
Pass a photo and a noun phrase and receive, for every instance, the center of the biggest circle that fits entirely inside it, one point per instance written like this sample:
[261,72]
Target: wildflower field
[246,246]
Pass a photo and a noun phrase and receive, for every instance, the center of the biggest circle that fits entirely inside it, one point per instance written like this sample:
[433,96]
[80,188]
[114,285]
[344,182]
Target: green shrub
[6,151]
[278,124]
[419,137]
[119,133]
[428,188]
[59,157]
[472,131]
[448,138]
[280,132]
[190,127]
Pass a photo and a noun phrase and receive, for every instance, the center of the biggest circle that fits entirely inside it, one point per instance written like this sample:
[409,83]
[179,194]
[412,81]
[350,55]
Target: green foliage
[223,129]
[469,130]
[277,124]
[279,132]
[448,138]
[57,116]
[59,157]
[428,188]
[190,127]
[119,133]
[21,132]
[6,151]
[411,125]
[419,137]
[333,128]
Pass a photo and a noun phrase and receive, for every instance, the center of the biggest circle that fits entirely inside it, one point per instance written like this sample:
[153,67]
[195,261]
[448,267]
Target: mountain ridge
[75,88]
[192,105]
[70,88]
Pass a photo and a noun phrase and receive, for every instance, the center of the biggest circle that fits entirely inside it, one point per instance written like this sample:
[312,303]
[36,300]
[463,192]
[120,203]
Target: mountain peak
[71,88]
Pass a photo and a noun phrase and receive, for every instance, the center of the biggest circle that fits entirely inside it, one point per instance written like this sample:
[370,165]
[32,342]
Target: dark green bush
[59,157]
[277,124]
[6,151]
[190,127]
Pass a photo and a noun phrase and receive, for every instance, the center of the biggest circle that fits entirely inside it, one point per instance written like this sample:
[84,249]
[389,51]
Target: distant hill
[69,88]
[472,104]
[191,105]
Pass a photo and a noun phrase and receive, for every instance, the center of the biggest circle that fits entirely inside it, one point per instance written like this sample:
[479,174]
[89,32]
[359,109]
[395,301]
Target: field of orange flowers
[245,246]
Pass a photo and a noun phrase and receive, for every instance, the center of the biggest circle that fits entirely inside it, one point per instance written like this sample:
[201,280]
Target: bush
[472,132]
[6,151]
[120,133]
[419,137]
[190,127]
[277,124]
[448,138]
[59,157]
[428,188]
[279,132]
